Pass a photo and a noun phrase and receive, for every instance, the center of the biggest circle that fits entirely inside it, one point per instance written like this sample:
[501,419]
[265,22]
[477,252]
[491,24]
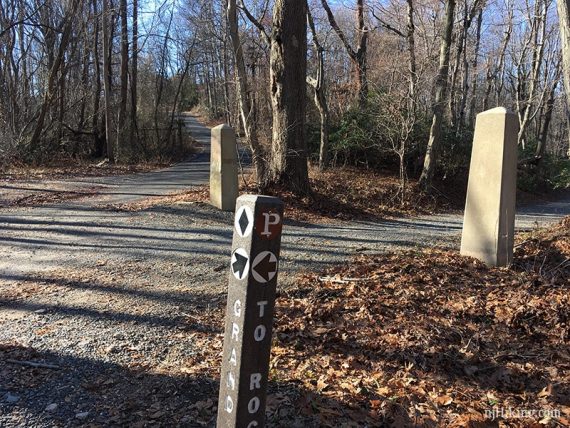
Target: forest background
[391,86]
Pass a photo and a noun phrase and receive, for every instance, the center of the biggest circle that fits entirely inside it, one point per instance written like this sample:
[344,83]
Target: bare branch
[386,25]
[337,30]
[255,22]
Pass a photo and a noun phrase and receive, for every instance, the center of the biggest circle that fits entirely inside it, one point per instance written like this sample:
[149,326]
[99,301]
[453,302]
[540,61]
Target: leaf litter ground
[424,338]
[370,196]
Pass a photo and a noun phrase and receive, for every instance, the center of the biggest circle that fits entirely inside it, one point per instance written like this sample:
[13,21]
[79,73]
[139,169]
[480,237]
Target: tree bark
[161,77]
[468,16]
[412,68]
[543,133]
[87,56]
[121,134]
[547,115]
[244,96]
[57,62]
[474,81]
[25,77]
[496,75]
[320,97]
[537,40]
[434,141]
[107,50]
[564,28]
[134,75]
[97,139]
[288,69]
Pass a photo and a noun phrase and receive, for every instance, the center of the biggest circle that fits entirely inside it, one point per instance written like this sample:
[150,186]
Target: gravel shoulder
[113,298]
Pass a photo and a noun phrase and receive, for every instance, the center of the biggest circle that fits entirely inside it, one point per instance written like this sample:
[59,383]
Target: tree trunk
[61,108]
[97,140]
[462,42]
[134,75]
[175,110]
[461,36]
[225,68]
[361,57]
[412,68]
[460,116]
[57,62]
[160,78]
[25,77]
[84,81]
[537,39]
[496,75]
[244,96]
[121,134]
[430,159]
[320,97]
[288,69]
[564,28]
[547,118]
[107,50]
[474,82]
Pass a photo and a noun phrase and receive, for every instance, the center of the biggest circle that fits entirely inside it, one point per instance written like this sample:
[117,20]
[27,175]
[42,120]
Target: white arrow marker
[264,267]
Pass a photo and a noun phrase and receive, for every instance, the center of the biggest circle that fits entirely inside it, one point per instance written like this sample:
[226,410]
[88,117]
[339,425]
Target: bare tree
[123,97]
[244,94]
[474,68]
[564,27]
[95,127]
[358,55]
[134,74]
[496,73]
[107,79]
[319,94]
[469,13]
[528,80]
[548,108]
[440,88]
[81,93]
[412,66]
[65,27]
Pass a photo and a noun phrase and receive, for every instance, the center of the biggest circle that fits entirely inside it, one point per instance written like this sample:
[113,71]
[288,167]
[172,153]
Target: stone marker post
[249,313]
[223,168]
[489,221]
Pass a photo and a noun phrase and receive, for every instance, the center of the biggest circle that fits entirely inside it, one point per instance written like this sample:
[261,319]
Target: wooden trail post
[249,314]
[489,220]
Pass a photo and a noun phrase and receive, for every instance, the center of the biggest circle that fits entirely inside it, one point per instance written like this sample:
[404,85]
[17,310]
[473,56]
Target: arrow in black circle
[239,265]
[265,267]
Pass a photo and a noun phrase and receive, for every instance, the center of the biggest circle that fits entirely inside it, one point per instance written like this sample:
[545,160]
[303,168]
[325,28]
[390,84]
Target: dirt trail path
[127,188]
[95,290]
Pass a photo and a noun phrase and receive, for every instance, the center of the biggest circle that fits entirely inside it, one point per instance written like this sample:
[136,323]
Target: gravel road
[99,292]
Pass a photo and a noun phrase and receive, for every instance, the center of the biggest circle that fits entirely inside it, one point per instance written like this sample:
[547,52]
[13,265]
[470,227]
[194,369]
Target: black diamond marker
[243,222]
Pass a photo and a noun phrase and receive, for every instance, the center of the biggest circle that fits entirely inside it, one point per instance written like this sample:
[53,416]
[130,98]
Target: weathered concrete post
[489,222]
[223,168]
[249,314]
